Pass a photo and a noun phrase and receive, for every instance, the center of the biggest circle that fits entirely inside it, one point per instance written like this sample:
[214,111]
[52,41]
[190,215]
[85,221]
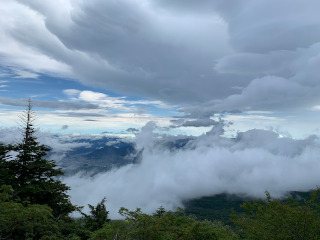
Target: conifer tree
[35,179]
[3,151]
[98,216]
[5,175]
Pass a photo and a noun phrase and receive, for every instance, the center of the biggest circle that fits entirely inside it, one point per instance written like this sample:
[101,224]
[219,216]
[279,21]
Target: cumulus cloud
[249,164]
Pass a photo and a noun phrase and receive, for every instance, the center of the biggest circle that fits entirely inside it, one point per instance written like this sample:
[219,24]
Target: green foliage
[161,225]
[24,221]
[98,216]
[6,173]
[34,178]
[73,229]
[3,151]
[217,207]
[275,219]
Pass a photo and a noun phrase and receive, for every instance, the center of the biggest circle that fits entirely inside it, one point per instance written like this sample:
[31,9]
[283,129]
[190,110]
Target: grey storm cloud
[194,53]
[48,104]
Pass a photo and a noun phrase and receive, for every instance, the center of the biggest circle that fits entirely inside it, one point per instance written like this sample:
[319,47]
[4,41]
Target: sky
[107,66]
[240,76]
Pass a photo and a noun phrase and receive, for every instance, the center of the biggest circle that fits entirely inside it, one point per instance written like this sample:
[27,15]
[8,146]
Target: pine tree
[35,178]
[98,216]
[3,151]
[5,174]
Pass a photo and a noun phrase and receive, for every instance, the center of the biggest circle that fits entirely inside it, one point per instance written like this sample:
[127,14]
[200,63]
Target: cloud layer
[255,161]
[229,55]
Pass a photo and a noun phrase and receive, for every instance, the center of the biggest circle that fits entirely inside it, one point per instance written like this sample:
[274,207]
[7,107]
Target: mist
[247,165]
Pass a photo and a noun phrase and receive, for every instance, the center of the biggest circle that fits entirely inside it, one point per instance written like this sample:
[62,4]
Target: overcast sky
[110,65]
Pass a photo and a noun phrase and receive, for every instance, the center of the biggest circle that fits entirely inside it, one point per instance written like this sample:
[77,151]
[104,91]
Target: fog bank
[254,161]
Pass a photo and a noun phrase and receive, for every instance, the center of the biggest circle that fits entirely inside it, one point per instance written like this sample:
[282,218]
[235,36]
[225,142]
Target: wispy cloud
[113,103]
[47,104]
[24,74]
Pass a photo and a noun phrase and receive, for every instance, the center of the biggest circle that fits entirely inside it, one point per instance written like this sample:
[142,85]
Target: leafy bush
[275,219]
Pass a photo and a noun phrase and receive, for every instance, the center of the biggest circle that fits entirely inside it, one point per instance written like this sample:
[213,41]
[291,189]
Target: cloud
[71,92]
[255,64]
[266,93]
[262,27]
[133,130]
[114,103]
[80,114]
[47,104]
[207,57]
[58,143]
[200,123]
[116,48]
[19,44]
[249,164]
[24,74]
[64,127]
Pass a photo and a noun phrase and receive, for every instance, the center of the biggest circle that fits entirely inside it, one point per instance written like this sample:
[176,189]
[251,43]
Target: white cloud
[250,164]
[18,50]
[148,48]
[316,108]
[25,74]
[71,92]
[114,103]
[259,112]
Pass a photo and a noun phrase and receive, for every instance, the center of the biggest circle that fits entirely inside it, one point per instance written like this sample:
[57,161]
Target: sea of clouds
[248,165]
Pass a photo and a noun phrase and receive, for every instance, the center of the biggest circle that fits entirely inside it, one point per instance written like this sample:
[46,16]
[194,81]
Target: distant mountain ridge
[100,155]
[105,153]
